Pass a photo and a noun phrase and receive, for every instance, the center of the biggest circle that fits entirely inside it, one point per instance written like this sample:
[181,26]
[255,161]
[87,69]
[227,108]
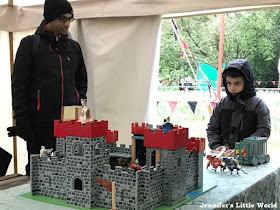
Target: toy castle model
[86,152]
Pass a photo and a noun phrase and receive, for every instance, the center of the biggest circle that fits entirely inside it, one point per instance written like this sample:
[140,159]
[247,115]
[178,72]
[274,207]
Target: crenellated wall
[121,149]
[134,189]
[48,176]
[194,170]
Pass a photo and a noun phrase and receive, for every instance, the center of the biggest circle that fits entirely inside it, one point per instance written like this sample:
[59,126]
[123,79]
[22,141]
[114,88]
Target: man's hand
[12,131]
[23,130]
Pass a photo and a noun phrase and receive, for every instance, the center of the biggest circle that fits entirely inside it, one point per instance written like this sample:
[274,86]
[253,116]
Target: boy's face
[235,85]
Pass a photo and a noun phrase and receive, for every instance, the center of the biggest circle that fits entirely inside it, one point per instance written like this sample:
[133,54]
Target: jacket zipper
[38,101]
[62,79]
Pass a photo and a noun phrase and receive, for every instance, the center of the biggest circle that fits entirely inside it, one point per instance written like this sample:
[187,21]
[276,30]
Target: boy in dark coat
[46,78]
[241,113]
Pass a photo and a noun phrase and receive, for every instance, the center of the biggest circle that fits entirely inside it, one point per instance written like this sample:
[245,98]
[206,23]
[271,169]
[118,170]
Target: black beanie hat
[55,8]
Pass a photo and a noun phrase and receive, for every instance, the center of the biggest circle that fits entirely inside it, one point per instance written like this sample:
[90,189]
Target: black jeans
[44,136]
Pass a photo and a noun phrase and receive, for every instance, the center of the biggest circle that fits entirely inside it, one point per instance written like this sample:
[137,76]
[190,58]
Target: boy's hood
[247,70]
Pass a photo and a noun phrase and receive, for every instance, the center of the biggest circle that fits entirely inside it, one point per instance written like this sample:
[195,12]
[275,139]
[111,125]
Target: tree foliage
[250,35]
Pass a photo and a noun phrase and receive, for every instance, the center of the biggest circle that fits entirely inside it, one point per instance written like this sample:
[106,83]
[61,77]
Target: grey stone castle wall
[126,188]
[84,156]
[60,146]
[48,176]
[174,163]
[150,190]
[139,190]
[194,171]
[112,146]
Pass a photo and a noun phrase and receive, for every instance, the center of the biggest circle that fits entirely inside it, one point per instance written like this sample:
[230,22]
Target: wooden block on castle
[70,112]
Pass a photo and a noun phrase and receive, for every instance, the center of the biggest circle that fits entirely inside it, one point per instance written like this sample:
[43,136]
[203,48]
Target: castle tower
[138,151]
[85,152]
[172,148]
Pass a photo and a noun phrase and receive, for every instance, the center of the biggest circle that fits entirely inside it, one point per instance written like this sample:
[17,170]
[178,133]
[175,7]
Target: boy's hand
[220,148]
[230,152]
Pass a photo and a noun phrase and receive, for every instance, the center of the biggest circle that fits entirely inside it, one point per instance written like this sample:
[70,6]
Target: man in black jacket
[47,75]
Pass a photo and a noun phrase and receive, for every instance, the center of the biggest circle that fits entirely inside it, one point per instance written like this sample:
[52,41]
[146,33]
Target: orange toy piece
[215,162]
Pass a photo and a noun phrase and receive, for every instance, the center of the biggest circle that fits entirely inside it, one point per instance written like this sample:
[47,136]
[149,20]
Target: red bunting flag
[213,104]
[105,183]
[273,82]
[182,54]
[172,105]
[184,44]
[259,82]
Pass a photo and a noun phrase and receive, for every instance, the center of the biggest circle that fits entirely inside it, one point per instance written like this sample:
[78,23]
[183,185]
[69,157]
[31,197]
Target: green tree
[250,35]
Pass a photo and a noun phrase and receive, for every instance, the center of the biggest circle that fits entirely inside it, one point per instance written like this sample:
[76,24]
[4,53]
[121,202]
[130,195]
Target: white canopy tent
[120,42]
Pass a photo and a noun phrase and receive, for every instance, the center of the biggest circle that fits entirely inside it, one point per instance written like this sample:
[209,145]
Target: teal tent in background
[212,75]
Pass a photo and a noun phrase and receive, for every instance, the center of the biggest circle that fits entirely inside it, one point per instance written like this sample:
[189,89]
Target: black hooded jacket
[237,117]
[53,76]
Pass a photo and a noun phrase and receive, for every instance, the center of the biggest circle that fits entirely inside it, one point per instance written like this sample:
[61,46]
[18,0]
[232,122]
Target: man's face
[235,85]
[61,24]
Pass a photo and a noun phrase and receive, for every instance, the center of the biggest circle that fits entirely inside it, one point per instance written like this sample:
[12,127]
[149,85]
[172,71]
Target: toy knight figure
[86,113]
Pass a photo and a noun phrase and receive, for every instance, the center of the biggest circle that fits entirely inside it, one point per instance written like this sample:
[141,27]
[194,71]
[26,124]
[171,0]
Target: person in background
[241,113]
[46,78]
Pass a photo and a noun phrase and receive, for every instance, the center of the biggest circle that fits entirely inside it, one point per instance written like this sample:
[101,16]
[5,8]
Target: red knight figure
[215,162]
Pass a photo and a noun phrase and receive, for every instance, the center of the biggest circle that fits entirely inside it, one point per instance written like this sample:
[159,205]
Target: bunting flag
[192,105]
[105,183]
[185,46]
[172,105]
[266,82]
[213,104]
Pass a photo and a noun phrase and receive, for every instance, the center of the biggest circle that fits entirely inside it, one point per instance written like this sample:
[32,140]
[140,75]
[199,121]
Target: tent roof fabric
[14,18]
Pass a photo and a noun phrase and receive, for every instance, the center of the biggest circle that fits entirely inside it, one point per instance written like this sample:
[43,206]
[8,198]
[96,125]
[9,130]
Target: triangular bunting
[259,82]
[184,44]
[213,104]
[273,82]
[172,105]
[182,54]
[192,105]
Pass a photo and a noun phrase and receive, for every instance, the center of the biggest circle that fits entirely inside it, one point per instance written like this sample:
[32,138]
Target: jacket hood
[246,69]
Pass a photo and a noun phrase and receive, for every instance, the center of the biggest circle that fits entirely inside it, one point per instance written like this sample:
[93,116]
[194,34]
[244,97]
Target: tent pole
[11,45]
[220,62]
[14,123]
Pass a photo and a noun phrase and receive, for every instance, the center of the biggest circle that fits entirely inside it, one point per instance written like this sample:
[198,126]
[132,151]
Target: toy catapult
[252,151]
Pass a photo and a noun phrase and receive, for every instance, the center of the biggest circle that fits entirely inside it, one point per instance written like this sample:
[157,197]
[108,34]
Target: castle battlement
[112,136]
[198,144]
[74,128]
[125,172]
[175,138]
[139,129]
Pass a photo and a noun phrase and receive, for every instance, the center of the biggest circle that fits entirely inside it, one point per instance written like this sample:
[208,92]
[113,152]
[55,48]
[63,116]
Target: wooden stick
[133,150]
[114,196]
